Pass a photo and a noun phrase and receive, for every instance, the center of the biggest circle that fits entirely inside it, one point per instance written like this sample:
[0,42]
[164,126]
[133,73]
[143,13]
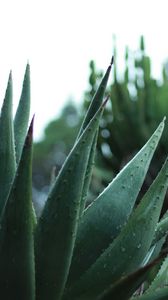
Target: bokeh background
[69,44]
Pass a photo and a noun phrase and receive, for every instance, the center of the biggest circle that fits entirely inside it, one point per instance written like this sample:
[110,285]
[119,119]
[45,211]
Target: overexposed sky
[60,37]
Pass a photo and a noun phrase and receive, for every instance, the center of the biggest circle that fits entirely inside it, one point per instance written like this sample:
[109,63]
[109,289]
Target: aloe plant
[104,251]
[138,103]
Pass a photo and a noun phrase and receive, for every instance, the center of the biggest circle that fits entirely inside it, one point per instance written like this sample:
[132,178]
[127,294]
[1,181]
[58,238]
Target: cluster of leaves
[103,252]
[138,103]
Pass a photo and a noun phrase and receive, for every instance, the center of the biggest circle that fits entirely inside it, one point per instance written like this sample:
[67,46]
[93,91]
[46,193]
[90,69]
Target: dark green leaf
[159,294]
[161,230]
[88,175]
[56,230]
[17,276]
[22,115]
[103,220]
[97,100]
[94,106]
[7,149]
[126,286]
[161,278]
[126,253]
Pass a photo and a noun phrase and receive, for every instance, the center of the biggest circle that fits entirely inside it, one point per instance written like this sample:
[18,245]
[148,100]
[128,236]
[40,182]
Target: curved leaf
[126,253]
[88,175]
[17,275]
[56,230]
[161,230]
[126,286]
[7,149]
[94,106]
[161,278]
[22,115]
[97,100]
[160,294]
[103,219]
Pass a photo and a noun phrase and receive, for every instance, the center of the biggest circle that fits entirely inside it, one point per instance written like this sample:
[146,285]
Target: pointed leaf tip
[28,67]
[112,60]
[30,133]
[10,75]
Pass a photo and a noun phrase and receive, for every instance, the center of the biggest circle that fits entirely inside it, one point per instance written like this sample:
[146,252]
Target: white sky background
[60,37]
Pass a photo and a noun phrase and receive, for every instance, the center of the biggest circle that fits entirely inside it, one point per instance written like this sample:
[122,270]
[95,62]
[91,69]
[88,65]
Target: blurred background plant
[138,104]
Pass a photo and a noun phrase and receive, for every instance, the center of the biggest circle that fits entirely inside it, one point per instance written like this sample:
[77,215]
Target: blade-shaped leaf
[56,230]
[159,294]
[88,175]
[161,278]
[22,115]
[17,276]
[7,149]
[97,100]
[103,220]
[161,230]
[126,253]
[153,252]
[94,106]
[125,287]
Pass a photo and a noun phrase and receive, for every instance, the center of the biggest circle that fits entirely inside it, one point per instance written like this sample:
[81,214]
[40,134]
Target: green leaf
[153,251]
[161,278]
[159,238]
[7,149]
[126,286]
[88,174]
[103,220]
[56,230]
[97,100]
[159,294]
[17,276]
[126,253]
[22,115]
[161,230]
[94,106]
